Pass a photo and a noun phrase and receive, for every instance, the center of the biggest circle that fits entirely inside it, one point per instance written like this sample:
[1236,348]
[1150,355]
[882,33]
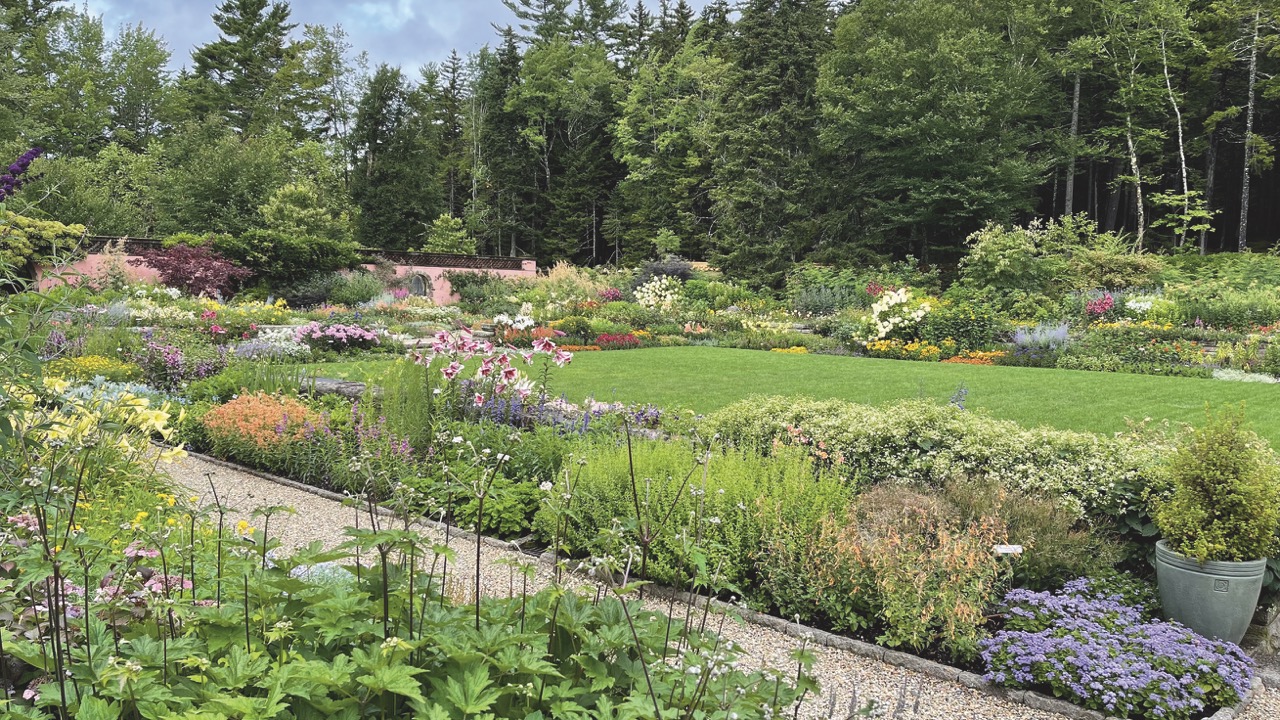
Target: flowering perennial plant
[88,367]
[1099,307]
[260,420]
[660,293]
[1087,645]
[895,314]
[277,344]
[168,367]
[977,357]
[12,180]
[913,350]
[337,336]
[617,341]
[497,372]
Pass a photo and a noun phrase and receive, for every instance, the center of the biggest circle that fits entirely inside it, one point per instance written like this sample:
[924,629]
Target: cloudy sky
[400,32]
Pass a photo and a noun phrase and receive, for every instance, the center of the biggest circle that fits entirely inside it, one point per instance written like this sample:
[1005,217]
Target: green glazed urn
[1215,598]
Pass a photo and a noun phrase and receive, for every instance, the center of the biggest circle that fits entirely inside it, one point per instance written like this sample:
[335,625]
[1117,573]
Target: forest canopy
[755,136]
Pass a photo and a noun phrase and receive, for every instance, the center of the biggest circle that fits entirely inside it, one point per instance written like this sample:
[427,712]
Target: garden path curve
[318,518]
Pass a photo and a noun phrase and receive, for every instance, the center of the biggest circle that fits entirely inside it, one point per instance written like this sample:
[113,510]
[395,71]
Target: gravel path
[317,518]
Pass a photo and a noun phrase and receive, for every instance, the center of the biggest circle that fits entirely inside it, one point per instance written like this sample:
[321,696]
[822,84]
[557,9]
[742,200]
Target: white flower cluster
[147,312]
[157,291]
[660,293]
[1242,376]
[891,312]
[519,322]
[425,310]
[273,344]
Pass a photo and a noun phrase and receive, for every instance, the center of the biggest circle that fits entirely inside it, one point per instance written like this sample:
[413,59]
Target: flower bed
[1088,645]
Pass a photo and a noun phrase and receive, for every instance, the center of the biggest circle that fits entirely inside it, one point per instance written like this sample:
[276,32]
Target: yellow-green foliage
[87,367]
[24,238]
[1225,503]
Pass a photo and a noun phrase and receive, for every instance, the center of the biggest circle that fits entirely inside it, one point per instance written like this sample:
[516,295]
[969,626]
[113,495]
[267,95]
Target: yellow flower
[243,529]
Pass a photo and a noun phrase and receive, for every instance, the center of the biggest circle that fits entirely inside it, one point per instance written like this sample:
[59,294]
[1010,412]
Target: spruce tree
[765,140]
[233,75]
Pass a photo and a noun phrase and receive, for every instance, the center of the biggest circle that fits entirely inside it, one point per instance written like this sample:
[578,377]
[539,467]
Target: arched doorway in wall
[420,285]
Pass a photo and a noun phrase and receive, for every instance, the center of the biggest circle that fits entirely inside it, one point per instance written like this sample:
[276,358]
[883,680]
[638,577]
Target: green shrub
[1219,305]
[575,326]
[1053,258]
[972,326]
[1271,359]
[1057,546]
[606,327]
[278,257]
[1237,270]
[931,443]
[719,507]
[629,314]
[1225,500]
[482,292]
[903,562]
[87,367]
[355,288]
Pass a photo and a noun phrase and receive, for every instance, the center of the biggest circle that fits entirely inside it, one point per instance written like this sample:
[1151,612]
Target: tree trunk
[1182,151]
[1242,233]
[1137,181]
[1211,165]
[1070,189]
[1211,162]
[1113,200]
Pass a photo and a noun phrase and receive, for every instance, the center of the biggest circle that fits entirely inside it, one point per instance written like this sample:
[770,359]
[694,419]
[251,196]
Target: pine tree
[502,167]
[541,20]
[765,140]
[662,139]
[234,75]
[397,169]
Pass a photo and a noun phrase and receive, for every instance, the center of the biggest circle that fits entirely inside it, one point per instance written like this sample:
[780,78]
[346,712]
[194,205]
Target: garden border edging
[907,661]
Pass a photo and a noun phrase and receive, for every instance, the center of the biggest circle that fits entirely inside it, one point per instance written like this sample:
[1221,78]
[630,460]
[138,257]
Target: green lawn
[705,379]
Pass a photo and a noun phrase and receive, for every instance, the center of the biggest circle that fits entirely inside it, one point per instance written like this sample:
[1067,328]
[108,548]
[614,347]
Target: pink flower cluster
[161,584]
[1101,306]
[497,367]
[138,550]
[26,521]
[336,336]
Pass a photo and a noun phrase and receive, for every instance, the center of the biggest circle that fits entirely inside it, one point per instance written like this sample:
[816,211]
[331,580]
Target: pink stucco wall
[90,266]
[439,289]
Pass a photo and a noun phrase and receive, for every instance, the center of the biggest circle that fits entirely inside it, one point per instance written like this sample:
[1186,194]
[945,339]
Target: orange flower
[264,420]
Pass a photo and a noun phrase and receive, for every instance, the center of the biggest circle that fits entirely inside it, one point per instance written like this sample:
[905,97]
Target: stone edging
[907,661]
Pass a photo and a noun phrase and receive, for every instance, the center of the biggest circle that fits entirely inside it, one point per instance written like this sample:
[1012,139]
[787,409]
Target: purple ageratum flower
[1088,646]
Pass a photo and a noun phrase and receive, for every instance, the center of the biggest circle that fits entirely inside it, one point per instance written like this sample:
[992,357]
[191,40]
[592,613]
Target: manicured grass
[705,379]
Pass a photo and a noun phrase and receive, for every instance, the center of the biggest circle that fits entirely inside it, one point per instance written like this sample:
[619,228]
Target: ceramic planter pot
[1215,598]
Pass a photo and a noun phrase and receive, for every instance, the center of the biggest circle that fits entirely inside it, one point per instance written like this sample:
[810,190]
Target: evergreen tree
[662,138]
[450,95]
[541,20]
[235,76]
[928,121]
[565,100]
[397,164]
[765,140]
[502,167]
